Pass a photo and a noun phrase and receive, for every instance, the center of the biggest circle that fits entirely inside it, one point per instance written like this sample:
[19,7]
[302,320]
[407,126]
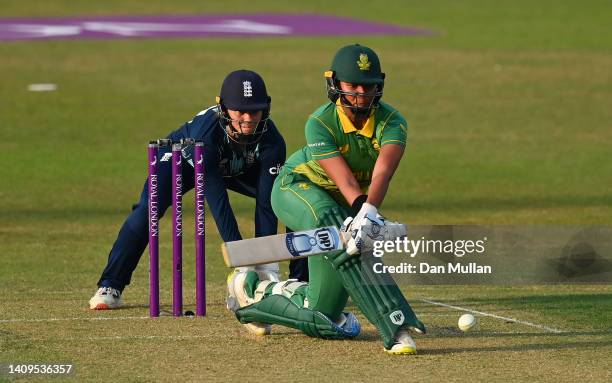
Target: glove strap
[358,202]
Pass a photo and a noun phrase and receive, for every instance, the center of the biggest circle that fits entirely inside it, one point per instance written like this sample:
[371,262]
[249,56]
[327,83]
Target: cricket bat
[282,247]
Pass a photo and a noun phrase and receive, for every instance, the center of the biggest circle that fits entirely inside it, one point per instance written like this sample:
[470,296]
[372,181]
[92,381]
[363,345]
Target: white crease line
[119,337]
[69,319]
[135,337]
[549,329]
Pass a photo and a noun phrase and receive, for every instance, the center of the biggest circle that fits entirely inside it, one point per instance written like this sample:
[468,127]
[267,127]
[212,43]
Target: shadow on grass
[424,310]
[520,202]
[373,336]
[439,203]
[520,347]
[12,213]
[500,305]
[546,300]
[582,312]
[453,332]
[51,214]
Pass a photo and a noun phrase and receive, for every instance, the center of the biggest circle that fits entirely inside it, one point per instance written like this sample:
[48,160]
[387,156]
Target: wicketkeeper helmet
[244,90]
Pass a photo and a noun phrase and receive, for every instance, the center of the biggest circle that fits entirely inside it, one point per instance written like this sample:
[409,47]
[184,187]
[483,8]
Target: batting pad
[278,309]
[379,299]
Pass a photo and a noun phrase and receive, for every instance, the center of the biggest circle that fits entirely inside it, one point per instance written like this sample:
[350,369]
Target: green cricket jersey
[330,133]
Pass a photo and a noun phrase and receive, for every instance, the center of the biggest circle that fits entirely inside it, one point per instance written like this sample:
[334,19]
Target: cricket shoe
[238,298]
[106,298]
[404,345]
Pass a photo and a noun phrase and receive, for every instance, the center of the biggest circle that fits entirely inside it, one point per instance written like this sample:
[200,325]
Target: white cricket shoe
[237,298]
[106,298]
[404,345]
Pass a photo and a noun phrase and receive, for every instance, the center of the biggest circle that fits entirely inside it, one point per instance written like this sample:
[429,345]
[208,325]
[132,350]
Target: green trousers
[301,205]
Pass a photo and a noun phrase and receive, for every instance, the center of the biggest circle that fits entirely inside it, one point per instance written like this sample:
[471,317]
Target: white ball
[466,322]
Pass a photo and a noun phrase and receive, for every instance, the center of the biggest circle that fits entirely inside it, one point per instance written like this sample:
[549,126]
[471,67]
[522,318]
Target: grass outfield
[135,348]
[509,113]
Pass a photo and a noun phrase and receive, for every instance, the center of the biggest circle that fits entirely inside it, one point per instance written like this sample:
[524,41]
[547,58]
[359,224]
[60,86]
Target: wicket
[177,225]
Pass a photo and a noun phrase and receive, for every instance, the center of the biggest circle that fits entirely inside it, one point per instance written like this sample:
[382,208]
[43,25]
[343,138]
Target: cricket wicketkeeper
[243,152]
[354,143]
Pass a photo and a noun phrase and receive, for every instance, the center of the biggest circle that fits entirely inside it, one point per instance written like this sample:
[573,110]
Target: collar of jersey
[348,127]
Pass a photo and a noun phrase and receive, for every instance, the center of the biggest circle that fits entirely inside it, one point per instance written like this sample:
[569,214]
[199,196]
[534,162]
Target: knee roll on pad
[380,300]
[278,309]
[331,217]
[288,288]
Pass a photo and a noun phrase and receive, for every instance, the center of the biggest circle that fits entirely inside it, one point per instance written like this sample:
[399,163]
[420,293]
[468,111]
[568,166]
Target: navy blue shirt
[249,170]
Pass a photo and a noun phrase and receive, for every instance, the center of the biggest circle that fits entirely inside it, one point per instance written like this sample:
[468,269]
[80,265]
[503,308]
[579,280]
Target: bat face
[284,247]
[281,247]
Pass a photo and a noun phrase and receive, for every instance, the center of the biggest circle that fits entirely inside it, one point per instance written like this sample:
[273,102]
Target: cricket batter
[354,143]
[243,152]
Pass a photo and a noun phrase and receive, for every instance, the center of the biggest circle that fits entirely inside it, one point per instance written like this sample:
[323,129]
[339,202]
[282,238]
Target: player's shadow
[520,347]
[520,202]
[426,311]
[589,308]
[571,300]
[577,308]
[454,332]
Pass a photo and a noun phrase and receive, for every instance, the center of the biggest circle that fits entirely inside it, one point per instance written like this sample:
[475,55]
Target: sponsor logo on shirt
[316,144]
[275,170]
[375,144]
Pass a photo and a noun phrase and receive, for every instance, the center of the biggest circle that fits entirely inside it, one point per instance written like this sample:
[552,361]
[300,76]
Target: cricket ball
[466,322]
